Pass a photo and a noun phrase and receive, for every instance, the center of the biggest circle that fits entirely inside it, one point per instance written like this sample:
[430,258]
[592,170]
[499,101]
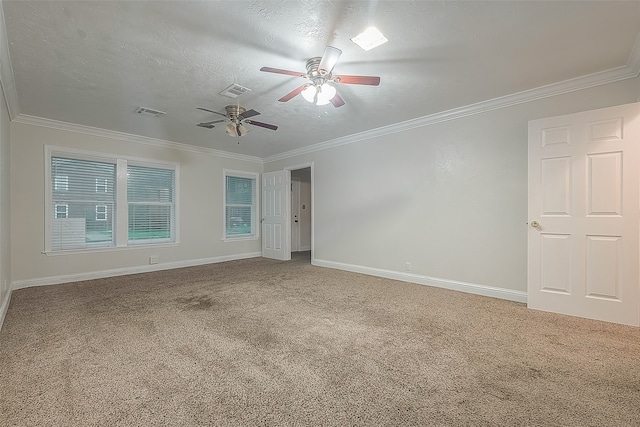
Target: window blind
[240,206]
[151,204]
[75,200]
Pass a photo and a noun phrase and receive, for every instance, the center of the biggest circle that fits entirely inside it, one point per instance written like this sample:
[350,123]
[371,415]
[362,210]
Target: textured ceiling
[93,63]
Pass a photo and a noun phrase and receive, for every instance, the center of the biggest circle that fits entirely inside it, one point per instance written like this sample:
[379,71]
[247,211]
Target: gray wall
[449,198]
[200,210]
[5,208]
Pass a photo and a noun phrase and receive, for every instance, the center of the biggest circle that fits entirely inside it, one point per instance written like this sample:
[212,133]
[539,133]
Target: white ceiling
[94,63]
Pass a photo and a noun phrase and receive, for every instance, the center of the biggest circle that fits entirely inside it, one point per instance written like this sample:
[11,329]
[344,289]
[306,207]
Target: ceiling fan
[235,116]
[319,74]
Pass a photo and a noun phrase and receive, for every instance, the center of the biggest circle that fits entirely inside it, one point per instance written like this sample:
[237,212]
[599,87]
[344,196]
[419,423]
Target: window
[83,208]
[61,183]
[75,200]
[240,202]
[102,185]
[101,213]
[61,211]
[150,194]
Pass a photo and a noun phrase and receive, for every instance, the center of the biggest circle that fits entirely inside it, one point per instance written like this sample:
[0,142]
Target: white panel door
[275,223]
[584,214]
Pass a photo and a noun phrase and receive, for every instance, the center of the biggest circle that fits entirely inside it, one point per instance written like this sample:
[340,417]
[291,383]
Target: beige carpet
[267,343]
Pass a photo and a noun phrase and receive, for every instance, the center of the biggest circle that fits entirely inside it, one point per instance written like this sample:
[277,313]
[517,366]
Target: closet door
[584,214]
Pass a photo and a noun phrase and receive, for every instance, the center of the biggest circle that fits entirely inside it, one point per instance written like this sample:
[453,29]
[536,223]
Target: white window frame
[66,211]
[101,185]
[101,212]
[256,207]
[120,215]
[174,231]
[61,183]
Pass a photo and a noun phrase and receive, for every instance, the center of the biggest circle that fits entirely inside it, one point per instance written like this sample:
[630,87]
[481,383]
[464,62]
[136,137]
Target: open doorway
[287,226]
[301,217]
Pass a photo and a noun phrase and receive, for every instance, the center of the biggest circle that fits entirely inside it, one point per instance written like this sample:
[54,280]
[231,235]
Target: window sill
[241,238]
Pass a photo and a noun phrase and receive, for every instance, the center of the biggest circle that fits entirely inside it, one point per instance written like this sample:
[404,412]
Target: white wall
[449,198]
[5,211]
[200,210]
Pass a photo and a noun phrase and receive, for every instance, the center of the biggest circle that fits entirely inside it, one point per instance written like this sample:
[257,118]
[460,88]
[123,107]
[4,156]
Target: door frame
[313,206]
[295,214]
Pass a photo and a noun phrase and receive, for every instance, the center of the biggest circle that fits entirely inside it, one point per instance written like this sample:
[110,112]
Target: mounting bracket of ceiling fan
[319,73]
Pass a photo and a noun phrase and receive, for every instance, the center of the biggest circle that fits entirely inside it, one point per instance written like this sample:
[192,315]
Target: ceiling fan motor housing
[314,74]
[233,111]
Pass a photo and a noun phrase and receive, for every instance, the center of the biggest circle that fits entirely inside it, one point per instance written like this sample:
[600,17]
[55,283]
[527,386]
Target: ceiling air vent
[234,91]
[150,112]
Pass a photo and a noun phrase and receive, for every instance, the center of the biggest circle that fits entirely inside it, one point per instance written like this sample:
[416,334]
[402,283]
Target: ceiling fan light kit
[321,95]
[236,130]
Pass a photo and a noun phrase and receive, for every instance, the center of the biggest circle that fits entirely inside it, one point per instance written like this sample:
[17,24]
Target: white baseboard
[4,307]
[471,288]
[56,280]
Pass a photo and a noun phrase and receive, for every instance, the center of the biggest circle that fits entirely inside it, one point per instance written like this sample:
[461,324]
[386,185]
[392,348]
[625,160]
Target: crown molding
[633,63]
[628,71]
[121,136]
[6,71]
[7,82]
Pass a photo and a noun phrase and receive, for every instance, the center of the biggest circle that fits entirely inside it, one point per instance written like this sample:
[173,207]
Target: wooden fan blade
[263,125]
[280,71]
[210,111]
[210,125]
[247,114]
[337,101]
[329,59]
[357,80]
[293,93]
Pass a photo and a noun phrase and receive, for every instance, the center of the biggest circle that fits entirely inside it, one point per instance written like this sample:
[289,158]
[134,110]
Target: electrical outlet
[153,259]
[407,266]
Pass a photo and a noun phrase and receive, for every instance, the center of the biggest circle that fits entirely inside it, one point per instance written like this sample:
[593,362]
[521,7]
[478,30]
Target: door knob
[535,224]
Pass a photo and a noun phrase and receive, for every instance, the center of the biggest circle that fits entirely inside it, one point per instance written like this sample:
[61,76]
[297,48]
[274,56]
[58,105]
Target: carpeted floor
[267,343]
